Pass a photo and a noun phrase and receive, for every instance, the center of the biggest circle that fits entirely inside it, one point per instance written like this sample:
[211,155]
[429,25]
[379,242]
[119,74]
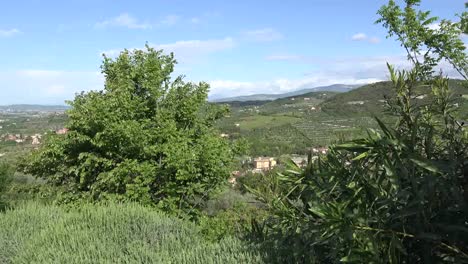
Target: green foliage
[398,196]
[144,138]
[230,213]
[261,182]
[426,46]
[21,192]
[5,180]
[113,233]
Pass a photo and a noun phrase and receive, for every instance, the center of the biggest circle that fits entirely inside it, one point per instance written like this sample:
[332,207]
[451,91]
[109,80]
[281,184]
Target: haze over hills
[33,108]
[341,88]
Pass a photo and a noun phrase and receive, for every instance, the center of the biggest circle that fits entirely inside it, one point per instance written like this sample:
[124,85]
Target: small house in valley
[320,150]
[62,131]
[264,163]
[300,161]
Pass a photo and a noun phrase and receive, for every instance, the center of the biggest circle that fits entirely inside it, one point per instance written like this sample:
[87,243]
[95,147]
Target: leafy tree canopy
[146,137]
[426,40]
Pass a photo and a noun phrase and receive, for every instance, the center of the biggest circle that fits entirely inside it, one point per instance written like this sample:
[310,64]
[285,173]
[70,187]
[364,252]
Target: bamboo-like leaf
[426,164]
[361,156]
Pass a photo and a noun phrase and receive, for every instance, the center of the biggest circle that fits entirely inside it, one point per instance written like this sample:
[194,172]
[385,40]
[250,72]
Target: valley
[292,125]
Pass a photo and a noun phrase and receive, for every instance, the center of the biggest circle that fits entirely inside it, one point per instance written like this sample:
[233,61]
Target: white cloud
[195,20]
[358,70]
[5,33]
[123,20]
[284,57]
[56,89]
[53,87]
[170,20]
[128,21]
[204,17]
[45,86]
[364,37]
[359,37]
[230,88]
[201,46]
[263,35]
[374,40]
[189,50]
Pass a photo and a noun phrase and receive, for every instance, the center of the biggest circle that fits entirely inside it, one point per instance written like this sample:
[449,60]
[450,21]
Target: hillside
[297,102]
[289,125]
[244,103]
[340,88]
[368,100]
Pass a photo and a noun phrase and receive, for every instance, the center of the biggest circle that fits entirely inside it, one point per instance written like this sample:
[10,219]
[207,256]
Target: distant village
[34,139]
[12,132]
[265,164]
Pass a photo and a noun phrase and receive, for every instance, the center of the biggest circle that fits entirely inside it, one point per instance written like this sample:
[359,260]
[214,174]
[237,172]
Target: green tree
[5,180]
[427,40]
[146,137]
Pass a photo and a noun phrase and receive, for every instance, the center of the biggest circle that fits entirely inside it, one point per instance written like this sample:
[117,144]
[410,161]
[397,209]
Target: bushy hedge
[123,233]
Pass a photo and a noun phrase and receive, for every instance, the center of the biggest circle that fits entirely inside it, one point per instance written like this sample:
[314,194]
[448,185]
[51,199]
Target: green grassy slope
[36,233]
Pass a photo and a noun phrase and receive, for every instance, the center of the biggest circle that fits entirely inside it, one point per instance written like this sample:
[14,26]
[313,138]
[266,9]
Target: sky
[51,49]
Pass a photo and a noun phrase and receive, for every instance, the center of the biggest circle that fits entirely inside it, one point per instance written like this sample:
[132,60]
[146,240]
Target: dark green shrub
[5,180]
[230,214]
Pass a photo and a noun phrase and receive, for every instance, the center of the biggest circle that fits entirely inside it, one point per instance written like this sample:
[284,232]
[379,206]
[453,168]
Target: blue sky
[50,50]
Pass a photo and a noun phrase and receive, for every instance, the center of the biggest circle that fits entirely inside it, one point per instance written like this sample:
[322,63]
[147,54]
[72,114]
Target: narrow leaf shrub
[396,196]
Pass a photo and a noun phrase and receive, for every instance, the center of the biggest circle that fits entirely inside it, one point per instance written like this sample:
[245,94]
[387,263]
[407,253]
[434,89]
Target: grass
[114,233]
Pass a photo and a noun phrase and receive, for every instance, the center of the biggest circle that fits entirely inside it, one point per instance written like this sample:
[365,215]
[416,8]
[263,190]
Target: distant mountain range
[369,99]
[33,108]
[341,88]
